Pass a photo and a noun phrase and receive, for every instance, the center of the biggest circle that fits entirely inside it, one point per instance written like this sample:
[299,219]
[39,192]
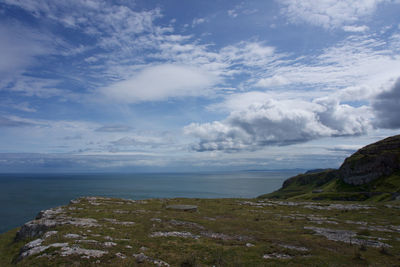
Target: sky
[146,85]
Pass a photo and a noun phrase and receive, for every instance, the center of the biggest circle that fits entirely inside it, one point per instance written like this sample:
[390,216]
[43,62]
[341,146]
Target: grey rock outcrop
[48,219]
[372,162]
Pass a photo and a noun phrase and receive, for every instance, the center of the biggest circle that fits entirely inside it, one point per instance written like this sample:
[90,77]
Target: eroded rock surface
[346,236]
[85,253]
[48,219]
[372,162]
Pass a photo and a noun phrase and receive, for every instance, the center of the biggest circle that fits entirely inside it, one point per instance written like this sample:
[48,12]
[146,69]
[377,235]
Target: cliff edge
[371,173]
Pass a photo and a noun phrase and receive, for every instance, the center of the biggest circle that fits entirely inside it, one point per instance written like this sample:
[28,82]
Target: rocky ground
[95,231]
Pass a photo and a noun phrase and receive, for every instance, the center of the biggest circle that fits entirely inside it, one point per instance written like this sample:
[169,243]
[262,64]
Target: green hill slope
[372,173]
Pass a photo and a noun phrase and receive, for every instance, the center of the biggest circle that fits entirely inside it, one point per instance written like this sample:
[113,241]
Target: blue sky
[195,85]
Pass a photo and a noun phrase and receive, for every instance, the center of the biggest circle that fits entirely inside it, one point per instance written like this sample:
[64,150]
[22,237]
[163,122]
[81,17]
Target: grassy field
[222,232]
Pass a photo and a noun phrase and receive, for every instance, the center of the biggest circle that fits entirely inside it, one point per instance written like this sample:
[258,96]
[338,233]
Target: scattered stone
[320,220]
[155,219]
[84,222]
[87,253]
[120,255]
[127,246]
[389,228]
[256,204]
[120,211]
[141,258]
[289,203]
[182,207]
[395,228]
[49,233]
[302,249]
[44,214]
[337,206]
[392,206]
[353,222]
[345,236]
[75,201]
[109,244]
[225,237]
[174,234]
[114,221]
[188,224]
[277,256]
[309,205]
[73,236]
[143,249]
[249,245]
[108,238]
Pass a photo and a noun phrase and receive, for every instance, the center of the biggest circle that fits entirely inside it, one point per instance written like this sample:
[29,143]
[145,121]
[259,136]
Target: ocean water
[22,196]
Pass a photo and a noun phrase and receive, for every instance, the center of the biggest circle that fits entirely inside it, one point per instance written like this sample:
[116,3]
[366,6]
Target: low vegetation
[220,232]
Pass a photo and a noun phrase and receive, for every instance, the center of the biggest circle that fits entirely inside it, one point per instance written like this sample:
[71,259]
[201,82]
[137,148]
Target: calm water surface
[22,196]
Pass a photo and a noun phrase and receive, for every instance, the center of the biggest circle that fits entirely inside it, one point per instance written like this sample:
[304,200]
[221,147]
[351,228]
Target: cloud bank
[387,108]
[279,122]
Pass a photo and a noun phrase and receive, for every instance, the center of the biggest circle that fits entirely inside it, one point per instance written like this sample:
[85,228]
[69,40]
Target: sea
[22,196]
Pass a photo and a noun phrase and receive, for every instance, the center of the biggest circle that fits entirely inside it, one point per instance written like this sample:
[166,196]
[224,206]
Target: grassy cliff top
[391,143]
[99,231]
[372,173]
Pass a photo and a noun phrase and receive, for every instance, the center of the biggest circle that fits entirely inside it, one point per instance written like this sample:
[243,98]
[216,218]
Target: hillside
[372,173]
[97,231]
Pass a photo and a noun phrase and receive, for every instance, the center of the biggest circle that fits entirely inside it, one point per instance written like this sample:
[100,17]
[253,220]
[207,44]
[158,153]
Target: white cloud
[275,80]
[119,30]
[355,69]
[249,54]
[328,13]
[29,86]
[241,9]
[232,13]
[18,48]
[349,28]
[161,82]
[270,122]
[23,106]
[77,137]
[197,21]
